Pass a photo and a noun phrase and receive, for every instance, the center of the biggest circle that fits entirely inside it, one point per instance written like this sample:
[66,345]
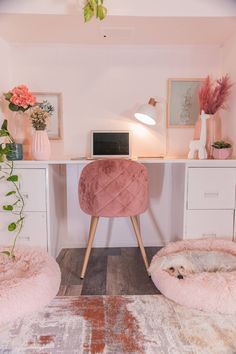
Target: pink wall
[102,85]
[229,66]
[127,7]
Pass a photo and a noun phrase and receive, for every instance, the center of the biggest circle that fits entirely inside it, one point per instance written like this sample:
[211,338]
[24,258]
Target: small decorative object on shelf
[20,100]
[16,200]
[199,146]
[221,150]
[213,96]
[40,115]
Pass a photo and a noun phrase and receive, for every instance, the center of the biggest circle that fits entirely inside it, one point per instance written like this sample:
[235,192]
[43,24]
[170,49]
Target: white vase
[41,149]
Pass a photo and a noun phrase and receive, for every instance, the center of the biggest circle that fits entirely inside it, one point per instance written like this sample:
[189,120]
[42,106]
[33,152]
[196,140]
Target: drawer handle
[208,235]
[211,194]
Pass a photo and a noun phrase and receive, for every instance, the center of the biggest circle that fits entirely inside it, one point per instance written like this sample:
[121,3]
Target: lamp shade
[147,113]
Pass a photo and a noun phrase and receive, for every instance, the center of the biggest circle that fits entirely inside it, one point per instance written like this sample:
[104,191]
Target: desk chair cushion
[114,188]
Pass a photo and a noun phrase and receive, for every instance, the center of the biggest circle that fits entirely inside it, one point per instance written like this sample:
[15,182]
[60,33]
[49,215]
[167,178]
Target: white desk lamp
[147,113]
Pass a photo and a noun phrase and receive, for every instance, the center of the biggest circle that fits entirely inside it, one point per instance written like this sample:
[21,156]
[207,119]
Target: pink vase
[213,132]
[41,149]
[221,154]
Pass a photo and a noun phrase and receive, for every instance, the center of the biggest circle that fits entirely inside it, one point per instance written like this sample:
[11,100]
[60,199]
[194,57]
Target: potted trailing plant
[16,200]
[40,115]
[221,150]
[94,8]
[20,100]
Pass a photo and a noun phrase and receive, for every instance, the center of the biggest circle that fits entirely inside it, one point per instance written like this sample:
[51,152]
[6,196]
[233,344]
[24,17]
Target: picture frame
[182,102]
[54,128]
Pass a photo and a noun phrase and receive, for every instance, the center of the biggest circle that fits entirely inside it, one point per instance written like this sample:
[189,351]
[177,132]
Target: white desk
[188,198]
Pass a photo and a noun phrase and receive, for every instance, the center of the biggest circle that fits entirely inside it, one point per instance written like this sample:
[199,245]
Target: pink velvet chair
[113,188]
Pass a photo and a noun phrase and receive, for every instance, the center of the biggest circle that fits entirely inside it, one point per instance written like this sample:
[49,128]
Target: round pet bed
[28,283]
[213,292]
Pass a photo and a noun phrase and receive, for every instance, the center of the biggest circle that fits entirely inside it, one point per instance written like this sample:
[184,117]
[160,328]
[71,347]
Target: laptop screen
[110,143]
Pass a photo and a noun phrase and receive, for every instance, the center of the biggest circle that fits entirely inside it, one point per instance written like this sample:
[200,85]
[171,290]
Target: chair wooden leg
[93,226]
[136,227]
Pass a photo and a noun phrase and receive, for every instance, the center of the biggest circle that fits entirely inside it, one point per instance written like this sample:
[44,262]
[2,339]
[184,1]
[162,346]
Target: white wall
[229,66]
[102,85]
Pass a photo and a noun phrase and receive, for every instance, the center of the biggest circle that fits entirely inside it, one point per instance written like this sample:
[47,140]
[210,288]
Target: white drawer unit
[32,186]
[209,223]
[211,188]
[34,231]
[42,186]
[210,202]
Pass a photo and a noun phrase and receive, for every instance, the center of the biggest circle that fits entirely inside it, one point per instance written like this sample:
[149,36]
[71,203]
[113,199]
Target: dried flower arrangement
[41,114]
[214,94]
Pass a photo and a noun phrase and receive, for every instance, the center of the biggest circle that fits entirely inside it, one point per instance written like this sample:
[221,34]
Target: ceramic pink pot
[41,149]
[221,154]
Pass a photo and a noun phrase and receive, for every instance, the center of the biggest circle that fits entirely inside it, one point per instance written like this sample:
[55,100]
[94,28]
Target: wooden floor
[111,271]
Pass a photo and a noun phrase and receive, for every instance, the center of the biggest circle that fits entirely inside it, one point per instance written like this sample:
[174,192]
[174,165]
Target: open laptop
[110,144]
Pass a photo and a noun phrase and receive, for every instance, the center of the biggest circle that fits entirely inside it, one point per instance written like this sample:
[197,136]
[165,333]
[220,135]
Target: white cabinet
[33,186]
[43,188]
[34,231]
[211,188]
[210,202]
[209,223]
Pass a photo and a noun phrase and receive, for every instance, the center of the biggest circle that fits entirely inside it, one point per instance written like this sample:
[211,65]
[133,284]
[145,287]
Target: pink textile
[28,283]
[213,292]
[114,188]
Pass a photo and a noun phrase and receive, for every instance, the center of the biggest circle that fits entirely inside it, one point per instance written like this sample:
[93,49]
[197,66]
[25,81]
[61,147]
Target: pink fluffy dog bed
[213,292]
[28,283]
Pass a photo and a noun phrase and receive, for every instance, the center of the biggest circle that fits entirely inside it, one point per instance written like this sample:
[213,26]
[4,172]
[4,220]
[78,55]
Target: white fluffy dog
[182,264]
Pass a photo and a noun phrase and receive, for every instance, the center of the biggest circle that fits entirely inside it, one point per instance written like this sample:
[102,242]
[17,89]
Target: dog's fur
[182,264]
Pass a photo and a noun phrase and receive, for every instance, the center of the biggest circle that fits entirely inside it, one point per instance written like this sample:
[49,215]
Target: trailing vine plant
[94,8]
[16,207]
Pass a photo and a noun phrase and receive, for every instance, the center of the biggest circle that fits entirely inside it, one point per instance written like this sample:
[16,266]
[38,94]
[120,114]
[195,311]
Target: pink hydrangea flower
[22,97]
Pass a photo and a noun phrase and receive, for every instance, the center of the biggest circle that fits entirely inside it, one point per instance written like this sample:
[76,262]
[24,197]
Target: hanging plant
[94,8]
[16,207]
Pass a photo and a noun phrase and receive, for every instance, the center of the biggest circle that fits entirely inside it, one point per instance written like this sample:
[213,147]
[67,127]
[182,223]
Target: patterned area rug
[119,324]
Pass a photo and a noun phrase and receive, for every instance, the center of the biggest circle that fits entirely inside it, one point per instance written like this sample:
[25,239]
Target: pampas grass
[214,94]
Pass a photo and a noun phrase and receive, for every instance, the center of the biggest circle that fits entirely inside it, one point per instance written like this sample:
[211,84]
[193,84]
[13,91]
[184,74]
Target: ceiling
[116,30]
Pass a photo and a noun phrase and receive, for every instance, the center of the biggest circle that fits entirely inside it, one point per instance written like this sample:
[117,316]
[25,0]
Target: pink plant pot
[221,154]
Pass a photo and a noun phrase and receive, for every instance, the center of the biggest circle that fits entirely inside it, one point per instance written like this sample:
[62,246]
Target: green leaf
[101,12]
[12,226]
[7,207]
[4,133]
[13,178]
[7,253]
[8,96]
[88,12]
[4,125]
[13,107]
[10,193]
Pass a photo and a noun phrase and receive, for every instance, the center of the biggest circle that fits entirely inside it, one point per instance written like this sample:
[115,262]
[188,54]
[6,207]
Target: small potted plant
[221,150]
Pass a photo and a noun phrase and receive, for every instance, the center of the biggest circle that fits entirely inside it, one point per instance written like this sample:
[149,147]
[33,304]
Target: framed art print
[54,128]
[183,105]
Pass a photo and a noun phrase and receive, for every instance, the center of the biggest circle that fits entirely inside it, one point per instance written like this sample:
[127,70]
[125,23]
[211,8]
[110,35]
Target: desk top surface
[166,160]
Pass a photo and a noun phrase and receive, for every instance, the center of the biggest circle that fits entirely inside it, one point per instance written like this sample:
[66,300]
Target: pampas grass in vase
[213,96]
